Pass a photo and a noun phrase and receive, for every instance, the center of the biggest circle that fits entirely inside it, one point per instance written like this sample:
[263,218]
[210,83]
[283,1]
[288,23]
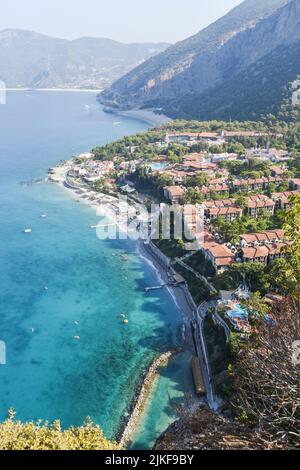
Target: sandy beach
[179,295]
[178,292]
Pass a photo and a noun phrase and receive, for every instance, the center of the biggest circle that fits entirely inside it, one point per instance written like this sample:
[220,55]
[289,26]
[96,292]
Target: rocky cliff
[216,56]
[205,430]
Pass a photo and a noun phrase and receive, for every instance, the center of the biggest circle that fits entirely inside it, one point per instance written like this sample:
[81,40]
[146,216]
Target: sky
[122,20]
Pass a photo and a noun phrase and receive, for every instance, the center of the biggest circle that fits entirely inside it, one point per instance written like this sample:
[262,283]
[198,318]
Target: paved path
[221,322]
[212,398]
[196,274]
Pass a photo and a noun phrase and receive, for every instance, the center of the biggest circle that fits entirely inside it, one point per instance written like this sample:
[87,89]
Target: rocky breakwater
[142,397]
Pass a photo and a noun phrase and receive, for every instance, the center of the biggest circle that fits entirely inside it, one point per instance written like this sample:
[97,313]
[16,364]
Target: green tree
[266,379]
[100,186]
[276,275]
[192,196]
[15,435]
[196,181]
[241,201]
[257,305]
[292,231]
[252,273]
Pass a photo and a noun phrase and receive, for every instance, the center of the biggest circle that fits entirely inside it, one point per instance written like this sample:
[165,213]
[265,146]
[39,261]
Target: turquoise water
[60,281]
[238,312]
[158,165]
[174,388]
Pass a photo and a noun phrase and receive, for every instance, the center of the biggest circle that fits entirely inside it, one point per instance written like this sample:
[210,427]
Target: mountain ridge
[30,59]
[241,38]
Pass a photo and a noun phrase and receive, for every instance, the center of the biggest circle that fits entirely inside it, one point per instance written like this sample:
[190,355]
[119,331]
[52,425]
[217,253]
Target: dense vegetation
[266,377]
[220,356]
[15,435]
[143,146]
[257,91]
[230,231]
[198,288]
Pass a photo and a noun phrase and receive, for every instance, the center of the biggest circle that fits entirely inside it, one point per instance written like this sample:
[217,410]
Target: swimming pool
[238,312]
[158,165]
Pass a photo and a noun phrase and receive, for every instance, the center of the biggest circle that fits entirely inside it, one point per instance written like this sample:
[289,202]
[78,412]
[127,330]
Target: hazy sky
[123,20]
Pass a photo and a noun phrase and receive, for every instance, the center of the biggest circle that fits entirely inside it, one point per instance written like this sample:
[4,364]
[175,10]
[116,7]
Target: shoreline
[148,380]
[162,272]
[145,115]
[81,90]
[142,397]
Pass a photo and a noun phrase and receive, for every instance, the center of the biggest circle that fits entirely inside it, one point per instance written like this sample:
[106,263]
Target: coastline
[149,379]
[82,90]
[142,397]
[144,115]
[177,293]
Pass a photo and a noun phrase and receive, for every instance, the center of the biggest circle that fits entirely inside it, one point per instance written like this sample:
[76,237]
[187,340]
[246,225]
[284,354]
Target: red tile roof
[256,181]
[221,253]
[285,195]
[219,203]
[262,237]
[264,251]
[254,253]
[277,170]
[219,211]
[174,191]
[259,202]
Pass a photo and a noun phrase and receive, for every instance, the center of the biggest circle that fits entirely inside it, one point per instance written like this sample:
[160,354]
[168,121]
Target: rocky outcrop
[142,398]
[205,430]
[260,89]
[246,35]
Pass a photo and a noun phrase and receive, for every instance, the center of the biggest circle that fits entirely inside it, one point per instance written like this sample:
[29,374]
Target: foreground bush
[15,435]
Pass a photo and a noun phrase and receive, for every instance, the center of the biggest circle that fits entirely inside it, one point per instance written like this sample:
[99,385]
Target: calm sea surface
[60,281]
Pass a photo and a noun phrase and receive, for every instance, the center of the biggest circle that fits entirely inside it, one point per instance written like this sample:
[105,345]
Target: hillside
[233,47]
[29,59]
[264,91]
[205,430]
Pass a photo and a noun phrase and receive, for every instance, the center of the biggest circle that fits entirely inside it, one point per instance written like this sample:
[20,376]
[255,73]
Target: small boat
[76,323]
[27,230]
[125,322]
[43,216]
[77,338]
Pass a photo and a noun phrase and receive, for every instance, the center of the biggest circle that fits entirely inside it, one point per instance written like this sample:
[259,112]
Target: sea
[64,292]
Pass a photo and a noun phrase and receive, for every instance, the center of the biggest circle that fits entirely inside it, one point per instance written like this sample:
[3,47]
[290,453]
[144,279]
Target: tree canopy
[15,435]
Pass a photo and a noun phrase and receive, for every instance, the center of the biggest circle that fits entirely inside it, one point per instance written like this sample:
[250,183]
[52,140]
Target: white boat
[43,216]
[27,230]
